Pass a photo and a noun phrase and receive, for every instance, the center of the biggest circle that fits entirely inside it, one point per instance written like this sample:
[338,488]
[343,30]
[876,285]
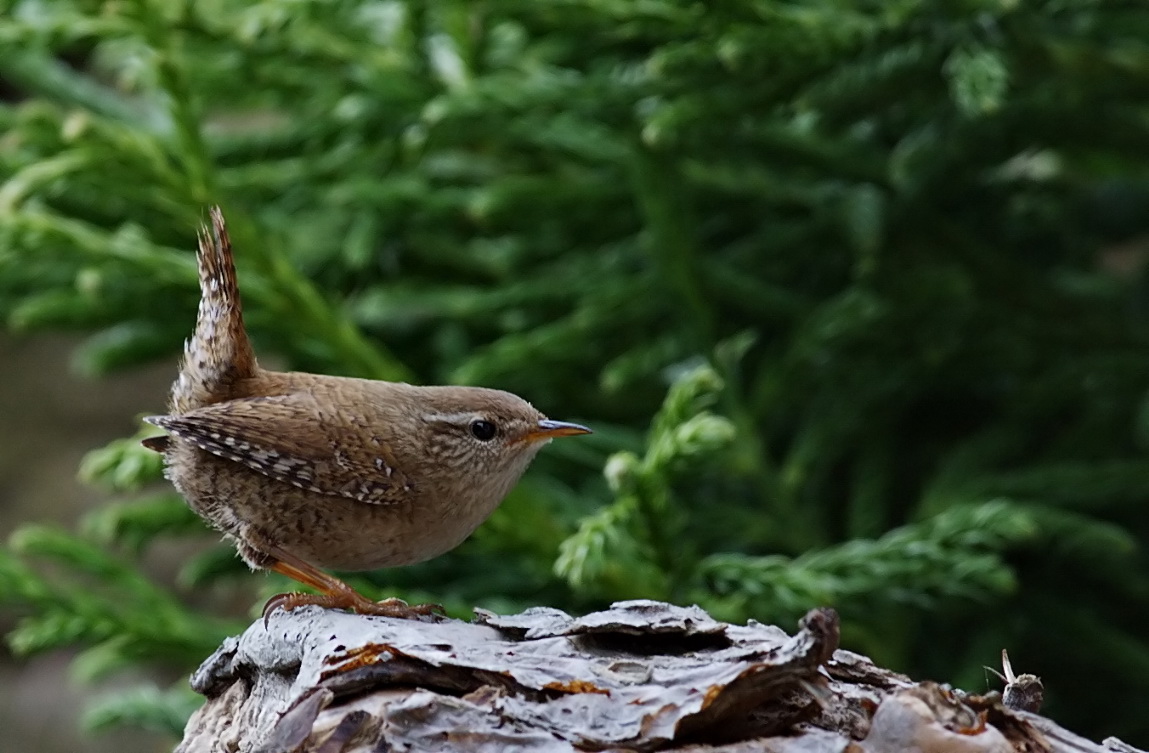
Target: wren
[304,471]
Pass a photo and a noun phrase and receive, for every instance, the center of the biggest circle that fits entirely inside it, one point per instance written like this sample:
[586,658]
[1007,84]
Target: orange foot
[353,601]
[334,593]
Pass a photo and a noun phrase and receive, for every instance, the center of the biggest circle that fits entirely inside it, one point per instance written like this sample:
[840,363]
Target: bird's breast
[435,515]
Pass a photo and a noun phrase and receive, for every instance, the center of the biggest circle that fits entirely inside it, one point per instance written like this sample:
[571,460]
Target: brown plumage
[305,471]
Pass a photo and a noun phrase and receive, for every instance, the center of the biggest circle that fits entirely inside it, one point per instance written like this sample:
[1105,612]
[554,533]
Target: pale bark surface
[640,676]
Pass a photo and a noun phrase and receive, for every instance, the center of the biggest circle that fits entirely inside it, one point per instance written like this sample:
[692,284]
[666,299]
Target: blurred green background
[853,293]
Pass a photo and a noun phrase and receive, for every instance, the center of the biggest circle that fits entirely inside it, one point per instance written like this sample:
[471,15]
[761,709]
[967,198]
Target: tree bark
[641,676]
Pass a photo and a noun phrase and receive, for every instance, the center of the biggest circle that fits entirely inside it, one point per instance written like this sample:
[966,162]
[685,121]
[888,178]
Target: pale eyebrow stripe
[449,418]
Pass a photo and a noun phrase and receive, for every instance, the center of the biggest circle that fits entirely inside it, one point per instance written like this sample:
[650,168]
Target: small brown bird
[304,471]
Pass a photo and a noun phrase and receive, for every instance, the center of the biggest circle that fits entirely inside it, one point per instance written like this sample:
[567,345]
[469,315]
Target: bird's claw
[396,608]
[401,609]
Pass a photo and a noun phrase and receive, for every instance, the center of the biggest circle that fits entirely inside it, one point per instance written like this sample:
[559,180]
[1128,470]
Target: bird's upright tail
[219,352]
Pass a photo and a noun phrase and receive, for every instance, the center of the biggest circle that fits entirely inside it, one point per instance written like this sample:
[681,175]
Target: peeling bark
[641,676]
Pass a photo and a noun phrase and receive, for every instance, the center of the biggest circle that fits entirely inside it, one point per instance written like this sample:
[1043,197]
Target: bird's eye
[483,430]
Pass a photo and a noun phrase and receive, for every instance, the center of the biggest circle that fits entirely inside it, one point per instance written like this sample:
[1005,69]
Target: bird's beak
[549,429]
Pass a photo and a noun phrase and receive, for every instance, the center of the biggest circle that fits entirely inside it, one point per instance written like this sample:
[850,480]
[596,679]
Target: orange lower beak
[549,429]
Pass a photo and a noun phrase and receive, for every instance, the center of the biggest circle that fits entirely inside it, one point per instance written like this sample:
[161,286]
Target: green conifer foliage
[851,291]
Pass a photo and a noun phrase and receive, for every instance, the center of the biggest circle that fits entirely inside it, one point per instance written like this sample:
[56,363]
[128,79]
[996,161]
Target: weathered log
[641,676]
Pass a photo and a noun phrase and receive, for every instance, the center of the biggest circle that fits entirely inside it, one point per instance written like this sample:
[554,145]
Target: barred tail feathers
[219,352]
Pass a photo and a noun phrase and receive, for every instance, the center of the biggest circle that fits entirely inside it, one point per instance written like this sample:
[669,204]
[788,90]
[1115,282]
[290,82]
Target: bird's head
[484,430]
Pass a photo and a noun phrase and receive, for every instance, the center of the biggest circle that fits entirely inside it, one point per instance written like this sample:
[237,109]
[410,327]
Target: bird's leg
[334,593]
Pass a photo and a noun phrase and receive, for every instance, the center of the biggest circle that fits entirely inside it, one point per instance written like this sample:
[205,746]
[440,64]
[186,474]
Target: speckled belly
[327,531]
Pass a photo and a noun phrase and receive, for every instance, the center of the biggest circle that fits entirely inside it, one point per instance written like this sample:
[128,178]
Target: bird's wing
[287,438]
